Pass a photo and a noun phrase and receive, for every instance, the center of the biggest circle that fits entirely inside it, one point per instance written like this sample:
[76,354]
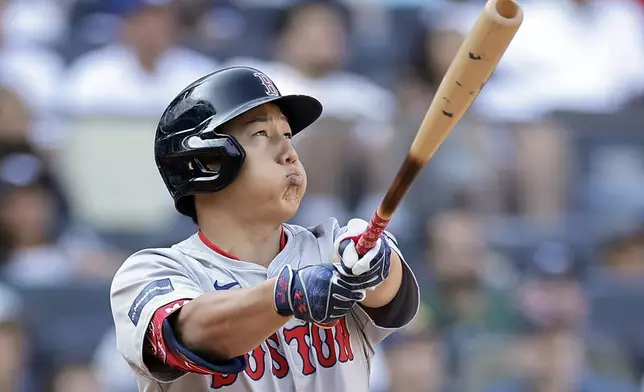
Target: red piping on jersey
[215,248]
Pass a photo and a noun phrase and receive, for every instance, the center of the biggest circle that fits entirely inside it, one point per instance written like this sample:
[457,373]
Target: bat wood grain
[466,76]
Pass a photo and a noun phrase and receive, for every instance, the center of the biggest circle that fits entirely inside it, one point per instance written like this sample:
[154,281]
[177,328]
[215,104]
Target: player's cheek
[304,183]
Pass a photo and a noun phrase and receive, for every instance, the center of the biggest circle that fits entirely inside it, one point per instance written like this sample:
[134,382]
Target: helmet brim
[300,110]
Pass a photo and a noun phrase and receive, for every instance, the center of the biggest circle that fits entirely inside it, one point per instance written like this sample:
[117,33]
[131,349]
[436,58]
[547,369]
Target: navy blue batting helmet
[188,138]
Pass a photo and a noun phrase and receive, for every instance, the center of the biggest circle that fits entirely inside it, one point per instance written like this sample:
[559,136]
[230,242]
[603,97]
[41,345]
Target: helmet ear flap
[186,206]
[205,166]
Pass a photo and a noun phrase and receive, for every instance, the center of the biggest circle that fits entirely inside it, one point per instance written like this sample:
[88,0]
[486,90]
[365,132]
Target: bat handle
[370,236]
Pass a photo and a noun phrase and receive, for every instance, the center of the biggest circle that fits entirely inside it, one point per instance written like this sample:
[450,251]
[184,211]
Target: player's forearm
[387,290]
[227,324]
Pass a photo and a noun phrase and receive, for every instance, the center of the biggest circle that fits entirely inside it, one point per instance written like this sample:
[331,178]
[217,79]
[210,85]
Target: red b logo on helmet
[271,90]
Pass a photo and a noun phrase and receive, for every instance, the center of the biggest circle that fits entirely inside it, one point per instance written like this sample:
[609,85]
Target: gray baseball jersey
[298,357]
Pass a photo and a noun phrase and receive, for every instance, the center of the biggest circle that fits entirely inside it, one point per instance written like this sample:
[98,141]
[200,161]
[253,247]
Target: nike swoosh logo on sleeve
[225,286]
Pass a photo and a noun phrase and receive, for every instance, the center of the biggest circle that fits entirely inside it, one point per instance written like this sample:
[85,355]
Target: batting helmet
[188,138]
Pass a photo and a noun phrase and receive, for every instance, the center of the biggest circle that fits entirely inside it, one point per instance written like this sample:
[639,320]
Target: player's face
[272,180]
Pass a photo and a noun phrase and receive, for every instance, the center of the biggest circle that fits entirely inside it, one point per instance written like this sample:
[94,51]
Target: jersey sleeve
[377,324]
[145,291]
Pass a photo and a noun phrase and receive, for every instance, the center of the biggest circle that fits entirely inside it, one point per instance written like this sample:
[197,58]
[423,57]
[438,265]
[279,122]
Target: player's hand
[313,294]
[364,272]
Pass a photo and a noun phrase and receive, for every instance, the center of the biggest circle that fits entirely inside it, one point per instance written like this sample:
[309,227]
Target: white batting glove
[364,272]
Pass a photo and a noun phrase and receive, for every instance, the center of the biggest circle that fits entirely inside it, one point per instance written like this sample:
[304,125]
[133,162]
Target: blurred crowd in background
[526,230]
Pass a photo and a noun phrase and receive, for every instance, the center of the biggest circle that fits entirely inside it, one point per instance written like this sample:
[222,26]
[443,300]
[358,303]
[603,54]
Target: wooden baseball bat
[473,65]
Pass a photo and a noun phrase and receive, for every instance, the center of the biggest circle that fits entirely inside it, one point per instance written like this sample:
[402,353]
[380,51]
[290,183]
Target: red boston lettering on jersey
[256,359]
[280,365]
[299,333]
[344,341]
[319,344]
[324,341]
[220,380]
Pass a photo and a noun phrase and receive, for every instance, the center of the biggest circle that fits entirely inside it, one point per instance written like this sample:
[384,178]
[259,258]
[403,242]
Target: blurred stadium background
[526,230]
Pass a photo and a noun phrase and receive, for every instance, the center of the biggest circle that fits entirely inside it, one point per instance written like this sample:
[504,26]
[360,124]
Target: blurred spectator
[21,123]
[415,357]
[36,22]
[469,291]
[594,60]
[616,292]
[556,361]
[32,215]
[554,352]
[470,283]
[29,76]
[141,72]
[551,293]
[31,69]
[28,215]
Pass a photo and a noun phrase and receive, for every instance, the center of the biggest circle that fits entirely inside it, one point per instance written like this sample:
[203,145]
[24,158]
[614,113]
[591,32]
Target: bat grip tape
[374,230]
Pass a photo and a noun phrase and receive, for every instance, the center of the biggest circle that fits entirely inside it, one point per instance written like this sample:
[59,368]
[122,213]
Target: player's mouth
[295,178]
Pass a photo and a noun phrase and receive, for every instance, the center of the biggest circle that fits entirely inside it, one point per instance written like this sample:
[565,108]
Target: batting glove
[364,272]
[314,294]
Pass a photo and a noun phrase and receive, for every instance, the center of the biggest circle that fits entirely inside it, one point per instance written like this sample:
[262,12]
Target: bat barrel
[475,62]
[504,9]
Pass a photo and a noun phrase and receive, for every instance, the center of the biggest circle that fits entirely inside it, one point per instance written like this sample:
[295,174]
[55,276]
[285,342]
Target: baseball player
[250,303]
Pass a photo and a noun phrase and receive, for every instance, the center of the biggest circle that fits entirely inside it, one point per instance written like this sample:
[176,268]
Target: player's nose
[287,154]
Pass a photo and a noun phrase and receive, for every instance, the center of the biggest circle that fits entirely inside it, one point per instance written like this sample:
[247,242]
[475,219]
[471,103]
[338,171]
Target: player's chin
[292,197]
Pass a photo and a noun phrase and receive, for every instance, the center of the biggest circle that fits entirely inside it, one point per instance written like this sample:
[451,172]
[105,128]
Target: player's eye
[288,135]
[260,133]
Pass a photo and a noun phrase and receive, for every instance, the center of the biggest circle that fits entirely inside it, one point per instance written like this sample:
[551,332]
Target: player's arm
[392,295]
[168,324]
[231,323]
[148,293]
[209,332]
[227,324]
[394,302]
[386,291]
